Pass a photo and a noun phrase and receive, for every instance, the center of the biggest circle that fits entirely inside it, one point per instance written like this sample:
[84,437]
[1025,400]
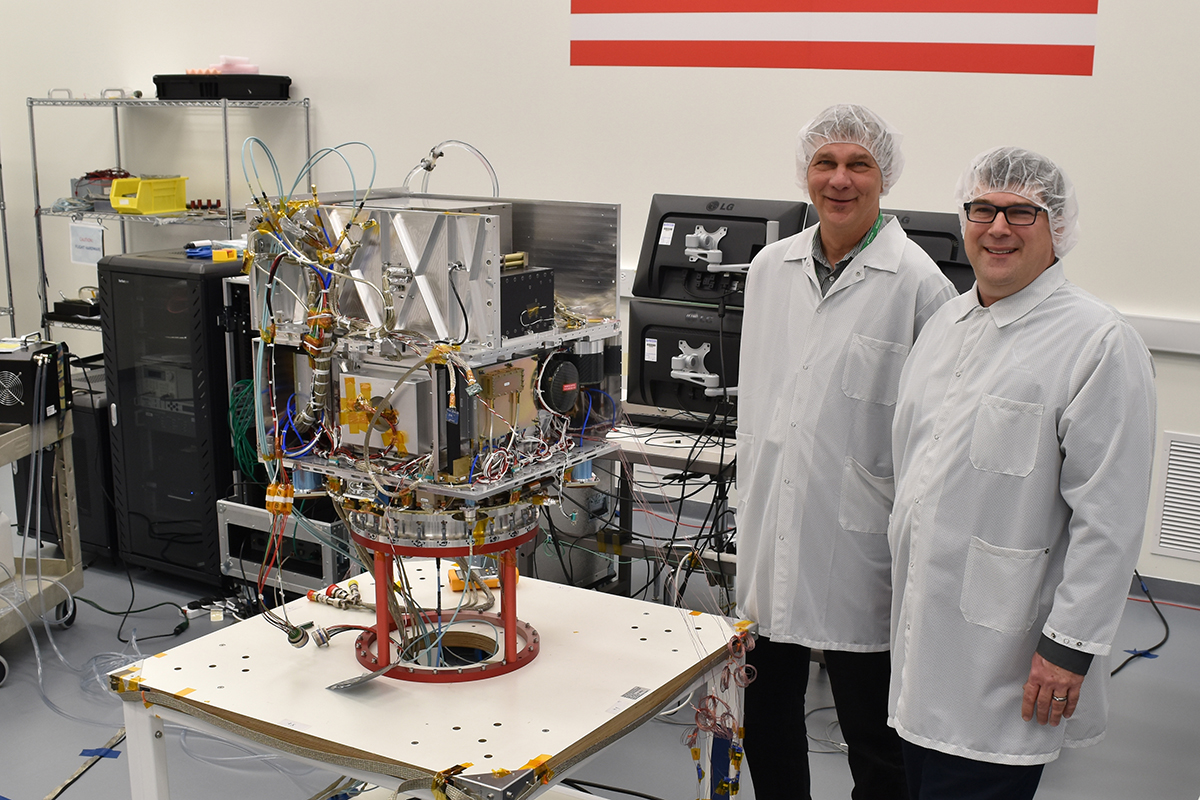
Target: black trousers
[776,738]
[933,775]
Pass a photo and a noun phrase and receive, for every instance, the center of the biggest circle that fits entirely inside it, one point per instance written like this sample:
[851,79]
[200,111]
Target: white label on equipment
[87,243]
[627,699]
[666,234]
[296,726]
[652,350]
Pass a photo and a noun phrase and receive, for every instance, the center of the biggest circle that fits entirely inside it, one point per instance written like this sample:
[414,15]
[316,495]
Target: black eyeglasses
[1016,215]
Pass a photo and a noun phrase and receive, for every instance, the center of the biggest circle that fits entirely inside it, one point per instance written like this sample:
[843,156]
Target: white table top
[606,664]
[674,449]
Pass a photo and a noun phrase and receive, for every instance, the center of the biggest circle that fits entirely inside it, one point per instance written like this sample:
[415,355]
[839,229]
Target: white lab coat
[1024,436]
[816,392]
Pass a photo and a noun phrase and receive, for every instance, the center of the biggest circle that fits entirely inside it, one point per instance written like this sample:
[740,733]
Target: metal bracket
[703,245]
[740,269]
[490,786]
[689,365]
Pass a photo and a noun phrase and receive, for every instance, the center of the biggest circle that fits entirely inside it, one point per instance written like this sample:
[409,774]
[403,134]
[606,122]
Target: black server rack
[165,375]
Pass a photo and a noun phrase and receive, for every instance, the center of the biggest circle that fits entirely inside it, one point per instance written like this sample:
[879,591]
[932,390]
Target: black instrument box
[217,87]
[18,373]
[526,301]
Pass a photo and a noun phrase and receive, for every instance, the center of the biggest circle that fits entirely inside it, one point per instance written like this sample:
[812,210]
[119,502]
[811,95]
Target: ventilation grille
[1178,496]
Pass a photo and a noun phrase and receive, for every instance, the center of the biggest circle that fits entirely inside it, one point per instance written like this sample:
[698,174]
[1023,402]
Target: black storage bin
[218,87]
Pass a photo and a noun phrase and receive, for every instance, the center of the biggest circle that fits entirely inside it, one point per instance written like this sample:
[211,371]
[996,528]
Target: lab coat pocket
[872,370]
[1002,585]
[1005,438]
[866,502]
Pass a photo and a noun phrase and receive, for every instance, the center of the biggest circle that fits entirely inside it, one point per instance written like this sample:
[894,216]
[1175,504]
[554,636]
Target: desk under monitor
[681,451]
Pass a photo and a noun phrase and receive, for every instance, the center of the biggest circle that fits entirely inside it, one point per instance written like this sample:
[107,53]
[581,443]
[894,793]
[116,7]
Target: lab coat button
[804,367]
[793,424]
[787,480]
[937,436]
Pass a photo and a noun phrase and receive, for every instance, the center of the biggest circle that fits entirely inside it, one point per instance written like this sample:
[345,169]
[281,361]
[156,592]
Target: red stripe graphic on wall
[1043,37]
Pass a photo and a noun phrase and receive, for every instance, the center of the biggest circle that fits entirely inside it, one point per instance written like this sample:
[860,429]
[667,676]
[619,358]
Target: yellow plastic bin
[149,195]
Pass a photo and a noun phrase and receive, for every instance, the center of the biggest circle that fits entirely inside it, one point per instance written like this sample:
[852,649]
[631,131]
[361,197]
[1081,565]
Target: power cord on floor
[104,610]
[180,628]
[1149,653]
[837,747]
[124,615]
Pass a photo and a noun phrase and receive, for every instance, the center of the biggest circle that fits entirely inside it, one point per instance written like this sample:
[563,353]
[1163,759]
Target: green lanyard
[871,234]
[827,281]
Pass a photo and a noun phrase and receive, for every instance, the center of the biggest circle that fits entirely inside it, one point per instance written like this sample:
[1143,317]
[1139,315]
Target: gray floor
[1151,751]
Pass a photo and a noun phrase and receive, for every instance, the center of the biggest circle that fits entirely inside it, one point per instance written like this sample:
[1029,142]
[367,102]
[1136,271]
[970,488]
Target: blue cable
[586,417]
[612,402]
[305,447]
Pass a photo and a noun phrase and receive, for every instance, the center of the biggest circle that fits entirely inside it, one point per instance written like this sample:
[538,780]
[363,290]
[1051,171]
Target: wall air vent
[1176,496]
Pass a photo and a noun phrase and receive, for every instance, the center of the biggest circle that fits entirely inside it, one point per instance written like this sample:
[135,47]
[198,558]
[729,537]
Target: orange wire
[1162,603]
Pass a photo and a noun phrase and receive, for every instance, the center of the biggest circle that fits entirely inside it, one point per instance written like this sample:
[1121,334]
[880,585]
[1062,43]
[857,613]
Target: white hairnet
[851,124]
[1026,174]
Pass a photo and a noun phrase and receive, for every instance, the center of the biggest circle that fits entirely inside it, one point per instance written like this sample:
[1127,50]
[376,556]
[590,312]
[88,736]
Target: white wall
[404,75]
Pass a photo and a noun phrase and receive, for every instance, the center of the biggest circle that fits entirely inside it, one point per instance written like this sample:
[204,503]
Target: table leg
[147,749]
[625,528]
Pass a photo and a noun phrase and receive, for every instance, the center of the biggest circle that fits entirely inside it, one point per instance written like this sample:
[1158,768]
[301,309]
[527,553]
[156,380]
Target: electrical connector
[279,498]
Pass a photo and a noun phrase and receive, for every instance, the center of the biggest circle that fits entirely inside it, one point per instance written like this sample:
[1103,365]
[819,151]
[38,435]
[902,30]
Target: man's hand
[1047,682]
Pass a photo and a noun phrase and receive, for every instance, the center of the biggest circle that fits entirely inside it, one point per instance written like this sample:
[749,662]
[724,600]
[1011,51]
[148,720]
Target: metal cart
[16,442]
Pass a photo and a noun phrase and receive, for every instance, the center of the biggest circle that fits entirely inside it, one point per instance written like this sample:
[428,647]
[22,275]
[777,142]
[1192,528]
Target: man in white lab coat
[830,316]
[1023,441]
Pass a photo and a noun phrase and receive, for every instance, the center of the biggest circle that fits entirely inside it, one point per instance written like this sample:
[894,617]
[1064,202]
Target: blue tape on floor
[102,752]
[1142,653]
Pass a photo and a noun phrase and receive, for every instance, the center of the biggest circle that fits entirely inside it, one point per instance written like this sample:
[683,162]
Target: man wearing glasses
[1023,439]
[830,316]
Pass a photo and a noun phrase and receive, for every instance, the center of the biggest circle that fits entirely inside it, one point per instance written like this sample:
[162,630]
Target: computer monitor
[671,268]
[683,356]
[939,234]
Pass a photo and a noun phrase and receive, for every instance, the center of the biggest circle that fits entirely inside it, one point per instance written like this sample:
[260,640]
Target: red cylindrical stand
[373,651]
